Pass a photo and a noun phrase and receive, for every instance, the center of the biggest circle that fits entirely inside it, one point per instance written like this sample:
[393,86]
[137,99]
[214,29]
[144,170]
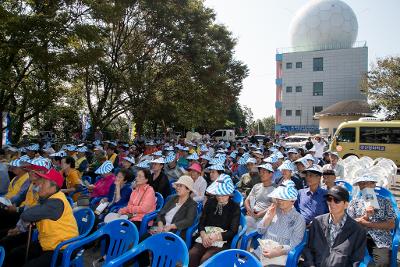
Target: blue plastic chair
[167,250]
[293,255]
[232,257]
[384,193]
[366,260]
[237,197]
[70,200]
[85,219]
[172,189]
[241,231]
[2,254]
[346,185]
[121,235]
[144,224]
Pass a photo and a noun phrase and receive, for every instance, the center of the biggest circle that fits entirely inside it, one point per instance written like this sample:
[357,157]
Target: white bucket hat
[186,181]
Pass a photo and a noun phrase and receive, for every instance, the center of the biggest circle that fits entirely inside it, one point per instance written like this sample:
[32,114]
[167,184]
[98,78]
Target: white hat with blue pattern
[40,163]
[104,168]
[129,159]
[170,157]
[206,157]
[82,149]
[286,166]
[193,156]
[266,166]
[158,153]
[204,148]
[251,160]
[70,147]
[17,163]
[60,154]
[160,160]
[223,186]
[217,161]
[217,167]
[286,191]
[33,147]
[145,164]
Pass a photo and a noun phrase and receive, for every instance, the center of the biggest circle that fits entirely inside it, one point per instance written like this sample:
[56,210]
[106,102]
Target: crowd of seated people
[285,194]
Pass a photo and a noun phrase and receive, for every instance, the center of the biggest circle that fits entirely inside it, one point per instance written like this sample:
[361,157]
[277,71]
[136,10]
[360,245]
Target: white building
[323,67]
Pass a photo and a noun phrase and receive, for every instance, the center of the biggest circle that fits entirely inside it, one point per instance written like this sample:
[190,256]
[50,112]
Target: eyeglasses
[330,199]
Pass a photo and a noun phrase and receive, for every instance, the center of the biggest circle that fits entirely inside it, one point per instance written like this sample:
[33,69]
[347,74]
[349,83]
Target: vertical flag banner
[6,122]
[132,131]
[86,125]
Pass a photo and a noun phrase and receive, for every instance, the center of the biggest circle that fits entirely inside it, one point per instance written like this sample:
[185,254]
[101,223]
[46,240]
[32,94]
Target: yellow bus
[368,137]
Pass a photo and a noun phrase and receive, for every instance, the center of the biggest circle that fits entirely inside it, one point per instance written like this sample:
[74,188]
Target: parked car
[224,135]
[296,140]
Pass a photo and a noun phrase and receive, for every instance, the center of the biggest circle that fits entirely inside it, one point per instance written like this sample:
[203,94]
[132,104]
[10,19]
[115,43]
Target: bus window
[347,135]
[380,135]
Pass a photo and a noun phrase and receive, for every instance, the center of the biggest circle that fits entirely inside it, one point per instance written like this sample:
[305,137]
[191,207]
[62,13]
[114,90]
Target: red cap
[196,167]
[53,175]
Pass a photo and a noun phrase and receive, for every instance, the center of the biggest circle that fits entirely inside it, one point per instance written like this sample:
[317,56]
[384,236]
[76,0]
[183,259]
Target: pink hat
[195,167]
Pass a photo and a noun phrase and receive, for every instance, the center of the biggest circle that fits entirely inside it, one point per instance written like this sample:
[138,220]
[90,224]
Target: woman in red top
[142,200]
[101,187]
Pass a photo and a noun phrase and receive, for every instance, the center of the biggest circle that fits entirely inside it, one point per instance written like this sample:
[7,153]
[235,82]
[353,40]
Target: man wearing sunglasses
[335,239]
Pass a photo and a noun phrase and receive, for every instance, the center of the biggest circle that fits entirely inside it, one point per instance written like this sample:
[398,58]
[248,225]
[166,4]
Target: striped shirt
[285,228]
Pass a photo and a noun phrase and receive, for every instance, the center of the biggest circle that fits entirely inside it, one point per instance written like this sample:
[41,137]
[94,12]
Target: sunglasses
[330,199]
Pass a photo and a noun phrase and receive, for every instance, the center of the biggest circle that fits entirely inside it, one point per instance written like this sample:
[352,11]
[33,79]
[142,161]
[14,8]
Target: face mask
[35,189]
[369,197]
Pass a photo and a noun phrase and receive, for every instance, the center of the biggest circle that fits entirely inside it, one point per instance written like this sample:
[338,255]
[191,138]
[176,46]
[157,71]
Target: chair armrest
[395,241]
[145,222]
[236,238]
[116,208]
[78,244]
[253,235]
[59,246]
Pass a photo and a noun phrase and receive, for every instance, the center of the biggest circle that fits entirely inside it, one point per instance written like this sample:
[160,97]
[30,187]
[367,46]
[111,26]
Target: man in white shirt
[319,145]
[200,184]
[333,165]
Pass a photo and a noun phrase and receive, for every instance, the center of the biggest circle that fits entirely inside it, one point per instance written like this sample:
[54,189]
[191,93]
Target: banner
[86,125]
[6,122]
[132,131]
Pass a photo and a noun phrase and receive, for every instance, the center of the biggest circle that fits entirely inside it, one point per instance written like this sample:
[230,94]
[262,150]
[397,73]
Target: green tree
[382,87]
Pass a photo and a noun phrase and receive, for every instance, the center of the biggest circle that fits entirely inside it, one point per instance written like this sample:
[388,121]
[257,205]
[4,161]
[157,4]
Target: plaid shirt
[334,229]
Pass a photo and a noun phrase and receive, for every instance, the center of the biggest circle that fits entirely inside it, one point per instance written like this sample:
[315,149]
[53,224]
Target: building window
[318,64]
[298,112]
[299,89]
[299,65]
[317,109]
[288,112]
[289,89]
[289,65]
[318,88]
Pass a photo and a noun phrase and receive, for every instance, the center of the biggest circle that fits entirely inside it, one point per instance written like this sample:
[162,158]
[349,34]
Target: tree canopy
[164,62]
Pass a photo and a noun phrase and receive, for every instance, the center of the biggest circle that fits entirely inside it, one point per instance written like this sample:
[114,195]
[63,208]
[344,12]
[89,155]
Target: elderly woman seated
[282,226]
[219,222]
[377,215]
[101,187]
[180,211]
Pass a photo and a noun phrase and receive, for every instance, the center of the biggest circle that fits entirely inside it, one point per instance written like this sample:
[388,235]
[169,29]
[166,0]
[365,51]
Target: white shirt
[319,148]
[170,214]
[199,187]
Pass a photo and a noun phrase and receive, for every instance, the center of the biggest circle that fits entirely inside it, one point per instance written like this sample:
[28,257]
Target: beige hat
[186,181]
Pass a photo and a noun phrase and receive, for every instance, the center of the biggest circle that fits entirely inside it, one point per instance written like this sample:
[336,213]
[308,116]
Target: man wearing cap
[319,145]
[249,179]
[257,201]
[333,165]
[81,162]
[328,178]
[335,239]
[54,220]
[377,215]
[111,155]
[311,200]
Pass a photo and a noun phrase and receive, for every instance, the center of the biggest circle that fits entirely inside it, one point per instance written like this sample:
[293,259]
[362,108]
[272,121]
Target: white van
[224,135]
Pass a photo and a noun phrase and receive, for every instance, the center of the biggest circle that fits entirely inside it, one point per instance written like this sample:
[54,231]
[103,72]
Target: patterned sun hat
[293,150]
[193,156]
[222,186]
[33,147]
[145,164]
[169,148]
[217,167]
[243,159]
[104,168]
[286,191]
[160,160]
[206,157]
[286,166]
[170,157]
[39,163]
[70,147]
[251,160]
[17,163]
[25,158]
[233,155]
[157,153]
[271,159]
[204,148]
[60,154]
[303,161]
[266,166]
[217,161]
[82,149]
[129,159]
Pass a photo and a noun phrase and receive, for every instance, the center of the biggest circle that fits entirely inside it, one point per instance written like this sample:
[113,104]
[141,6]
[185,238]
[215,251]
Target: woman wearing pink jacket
[142,199]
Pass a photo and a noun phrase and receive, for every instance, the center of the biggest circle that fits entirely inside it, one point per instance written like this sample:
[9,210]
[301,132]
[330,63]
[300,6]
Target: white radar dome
[324,24]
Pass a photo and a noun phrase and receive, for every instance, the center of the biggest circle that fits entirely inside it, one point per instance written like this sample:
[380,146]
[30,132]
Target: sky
[262,26]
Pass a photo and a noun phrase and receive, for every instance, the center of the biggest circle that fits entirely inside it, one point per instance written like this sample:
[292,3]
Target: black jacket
[348,248]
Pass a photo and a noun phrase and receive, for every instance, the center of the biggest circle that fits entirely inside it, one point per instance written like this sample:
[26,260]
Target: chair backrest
[70,200]
[385,193]
[232,257]
[241,231]
[167,250]
[160,201]
[85,219]
[294,254]
[346,185]
[122,234]
[2,254]
[171,187]
[237,197]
